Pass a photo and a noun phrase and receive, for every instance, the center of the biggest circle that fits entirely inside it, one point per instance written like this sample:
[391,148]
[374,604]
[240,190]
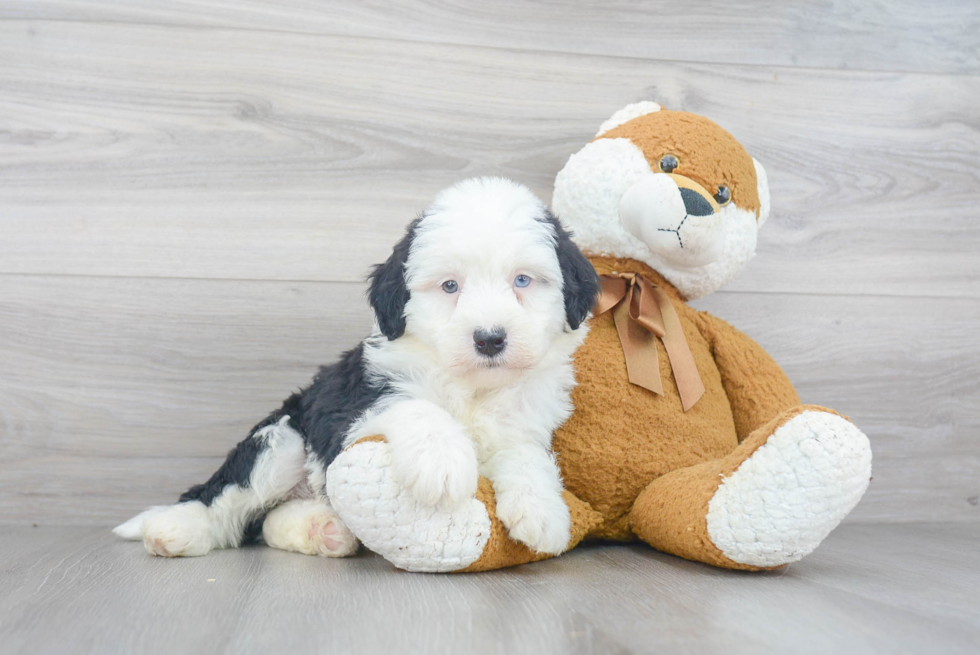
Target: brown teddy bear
[685,433]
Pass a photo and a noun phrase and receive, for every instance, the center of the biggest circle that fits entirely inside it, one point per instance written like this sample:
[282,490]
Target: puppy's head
[486,279]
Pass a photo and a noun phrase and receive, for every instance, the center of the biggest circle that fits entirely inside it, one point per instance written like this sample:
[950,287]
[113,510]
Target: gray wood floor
[909,588]
[192,191]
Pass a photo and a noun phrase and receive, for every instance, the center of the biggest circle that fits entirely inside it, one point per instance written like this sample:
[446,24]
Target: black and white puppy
[468,371]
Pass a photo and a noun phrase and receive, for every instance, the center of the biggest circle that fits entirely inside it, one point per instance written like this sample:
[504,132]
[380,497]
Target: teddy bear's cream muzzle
[675,217]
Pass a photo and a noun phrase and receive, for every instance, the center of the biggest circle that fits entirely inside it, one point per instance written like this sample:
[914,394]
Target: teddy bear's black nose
[695,204]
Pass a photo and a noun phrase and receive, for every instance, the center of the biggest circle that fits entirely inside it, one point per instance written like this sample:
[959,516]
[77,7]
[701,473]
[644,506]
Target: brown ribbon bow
[642,311]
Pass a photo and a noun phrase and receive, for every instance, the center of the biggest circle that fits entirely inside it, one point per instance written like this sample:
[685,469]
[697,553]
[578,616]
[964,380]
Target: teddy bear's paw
[792,491]
[392,522]
[310,527]
[541,522]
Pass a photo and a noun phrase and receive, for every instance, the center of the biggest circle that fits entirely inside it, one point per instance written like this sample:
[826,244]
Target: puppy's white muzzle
[682,229]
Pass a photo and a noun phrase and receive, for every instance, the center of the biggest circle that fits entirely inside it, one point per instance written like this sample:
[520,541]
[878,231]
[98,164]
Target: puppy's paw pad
[159,547]
[328,536]
[311,527]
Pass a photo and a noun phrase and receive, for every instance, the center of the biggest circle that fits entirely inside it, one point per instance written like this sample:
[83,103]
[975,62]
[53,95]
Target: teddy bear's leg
[390,521]
[768,503]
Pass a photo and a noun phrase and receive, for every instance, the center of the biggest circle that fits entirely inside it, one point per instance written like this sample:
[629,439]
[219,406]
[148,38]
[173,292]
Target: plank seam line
[175,278]
[225,28]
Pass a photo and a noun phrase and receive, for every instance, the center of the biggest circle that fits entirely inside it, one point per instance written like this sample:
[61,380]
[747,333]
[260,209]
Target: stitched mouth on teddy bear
[674,218]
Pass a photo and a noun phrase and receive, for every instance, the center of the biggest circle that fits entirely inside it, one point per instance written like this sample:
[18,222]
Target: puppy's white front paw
[540,521]
[439,469]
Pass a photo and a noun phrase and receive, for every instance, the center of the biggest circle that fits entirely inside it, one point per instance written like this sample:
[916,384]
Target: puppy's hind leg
[308,526]
[307,523]
[259,473]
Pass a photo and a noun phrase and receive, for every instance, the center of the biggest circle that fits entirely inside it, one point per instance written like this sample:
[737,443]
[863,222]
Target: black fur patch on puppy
[388,293]
[237,467]
[339,395]
[580,282]
[322,414]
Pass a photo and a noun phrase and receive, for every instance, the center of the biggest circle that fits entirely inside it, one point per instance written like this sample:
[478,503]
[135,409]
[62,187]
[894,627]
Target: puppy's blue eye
[522,281]
[450,286]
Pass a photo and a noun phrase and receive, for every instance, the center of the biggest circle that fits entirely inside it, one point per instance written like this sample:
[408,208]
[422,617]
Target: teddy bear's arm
[756,386]
[413,536]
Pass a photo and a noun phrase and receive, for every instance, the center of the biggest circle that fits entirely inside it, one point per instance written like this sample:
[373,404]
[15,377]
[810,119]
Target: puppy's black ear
[388,293]
[580,282]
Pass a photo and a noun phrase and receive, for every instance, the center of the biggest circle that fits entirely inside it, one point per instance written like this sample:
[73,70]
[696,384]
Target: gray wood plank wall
[191,193]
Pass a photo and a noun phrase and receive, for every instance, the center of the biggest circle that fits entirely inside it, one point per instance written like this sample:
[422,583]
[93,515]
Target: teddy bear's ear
[628,113]
[763,184]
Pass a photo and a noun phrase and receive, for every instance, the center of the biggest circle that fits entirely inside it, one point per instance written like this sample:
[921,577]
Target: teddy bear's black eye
[723,195]
[668,163]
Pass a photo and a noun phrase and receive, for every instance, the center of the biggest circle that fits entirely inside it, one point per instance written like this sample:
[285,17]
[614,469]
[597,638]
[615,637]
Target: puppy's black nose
[490,342]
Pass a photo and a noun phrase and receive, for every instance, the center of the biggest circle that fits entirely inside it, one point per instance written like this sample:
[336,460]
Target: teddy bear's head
[669,188]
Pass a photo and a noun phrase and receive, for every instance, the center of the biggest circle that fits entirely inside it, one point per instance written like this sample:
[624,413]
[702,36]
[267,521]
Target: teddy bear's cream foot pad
[389,521]
[786,498]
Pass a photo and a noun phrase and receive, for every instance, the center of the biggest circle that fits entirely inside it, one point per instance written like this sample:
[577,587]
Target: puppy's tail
[133,528]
